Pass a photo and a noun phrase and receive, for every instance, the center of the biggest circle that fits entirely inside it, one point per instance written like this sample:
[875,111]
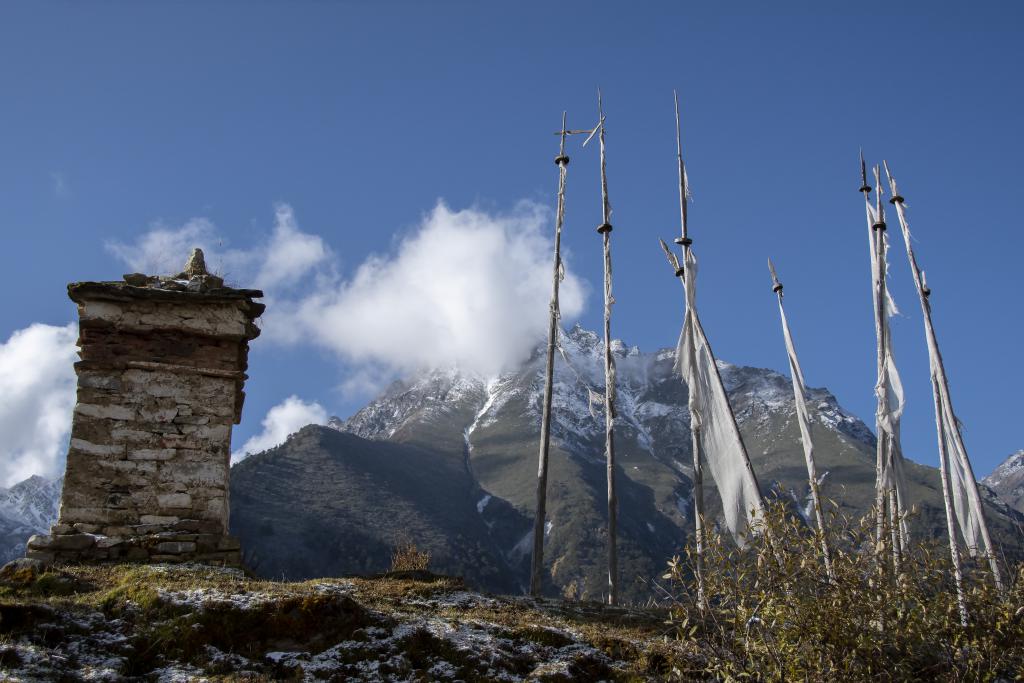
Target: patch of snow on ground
[462,600]
[684,505]
[198,597]
[481,504]
[179,673]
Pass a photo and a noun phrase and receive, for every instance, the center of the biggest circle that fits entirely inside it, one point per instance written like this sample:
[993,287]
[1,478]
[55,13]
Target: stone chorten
[160,382]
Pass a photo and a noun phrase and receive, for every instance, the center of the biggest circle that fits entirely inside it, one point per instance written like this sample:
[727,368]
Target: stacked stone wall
[160,384]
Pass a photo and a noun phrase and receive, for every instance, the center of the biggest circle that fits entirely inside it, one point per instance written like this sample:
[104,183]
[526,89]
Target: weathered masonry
[160,382]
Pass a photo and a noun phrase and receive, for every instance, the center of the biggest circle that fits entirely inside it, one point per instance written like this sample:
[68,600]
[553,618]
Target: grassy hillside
[190,623]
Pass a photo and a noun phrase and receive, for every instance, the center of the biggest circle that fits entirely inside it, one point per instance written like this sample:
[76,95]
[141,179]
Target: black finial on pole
[897,198]
[879,210]
[864,187]
[776,285]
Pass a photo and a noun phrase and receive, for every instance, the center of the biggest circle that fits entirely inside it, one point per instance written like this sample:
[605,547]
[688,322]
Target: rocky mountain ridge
[29,507]
[483,431]
[1007,481]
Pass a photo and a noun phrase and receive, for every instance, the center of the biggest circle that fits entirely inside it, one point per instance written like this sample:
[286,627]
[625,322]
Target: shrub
[406,557]
[772,614]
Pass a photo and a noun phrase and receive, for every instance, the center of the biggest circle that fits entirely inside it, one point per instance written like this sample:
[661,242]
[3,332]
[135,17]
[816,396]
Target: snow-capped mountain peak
[28,507]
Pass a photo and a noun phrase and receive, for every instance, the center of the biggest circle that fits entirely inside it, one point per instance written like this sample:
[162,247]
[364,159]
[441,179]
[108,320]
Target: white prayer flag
[963,488]
[889,388]
[710,413]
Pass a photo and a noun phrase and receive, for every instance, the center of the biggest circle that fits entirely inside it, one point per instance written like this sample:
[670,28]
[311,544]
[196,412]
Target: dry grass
[406,557]
[773,615]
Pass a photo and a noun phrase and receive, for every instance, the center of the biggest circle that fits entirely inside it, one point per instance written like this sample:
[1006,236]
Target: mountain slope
[484,433]
[1007,481]
[29,507]
[329,503]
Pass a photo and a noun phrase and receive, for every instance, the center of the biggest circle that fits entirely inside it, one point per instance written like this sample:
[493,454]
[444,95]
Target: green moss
[114,601]
[307,622]
[540,635]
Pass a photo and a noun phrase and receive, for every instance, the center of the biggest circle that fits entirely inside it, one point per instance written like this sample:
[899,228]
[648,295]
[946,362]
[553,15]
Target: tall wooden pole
[605,230]
[805,428]
[537,561]
[885,351]
[876,229]
[695,431]
[945,420]
[947,498]
[698,455]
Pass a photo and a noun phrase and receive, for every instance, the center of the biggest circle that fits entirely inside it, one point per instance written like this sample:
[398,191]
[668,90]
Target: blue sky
[118,117]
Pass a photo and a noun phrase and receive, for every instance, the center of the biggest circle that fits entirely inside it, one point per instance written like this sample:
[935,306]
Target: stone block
[162,520]
[151,453]
[131,434]
[40,542]
[96,380]
[97,449]
[45,556]
[199,526]
[135,554]
[108,412]
[85,514]
[174,500]
[72,542]
[158,414]
[176,547]
[192,420]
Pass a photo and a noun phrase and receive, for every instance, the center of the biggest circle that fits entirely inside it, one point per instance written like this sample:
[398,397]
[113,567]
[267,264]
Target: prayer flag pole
[537,560]
[803,417]
[953,459]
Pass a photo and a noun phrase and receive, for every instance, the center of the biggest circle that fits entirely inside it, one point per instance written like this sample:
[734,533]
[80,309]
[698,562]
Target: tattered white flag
[710,412]
[961,482]
[963,487]
[889,388]
[799,399]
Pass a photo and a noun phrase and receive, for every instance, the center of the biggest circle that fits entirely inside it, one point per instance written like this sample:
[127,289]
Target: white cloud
[38,380]
[467,288]
[288,256]
[291,254]
[163,250]
[284,419]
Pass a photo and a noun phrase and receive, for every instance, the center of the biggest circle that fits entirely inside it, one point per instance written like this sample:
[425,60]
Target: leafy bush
[406,557]
[772,614]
